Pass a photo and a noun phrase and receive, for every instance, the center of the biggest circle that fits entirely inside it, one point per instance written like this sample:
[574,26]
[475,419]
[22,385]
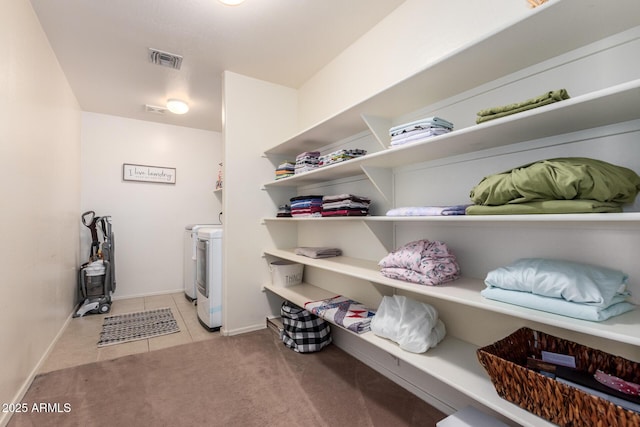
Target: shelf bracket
[379,127]
[382,180]
[383,231]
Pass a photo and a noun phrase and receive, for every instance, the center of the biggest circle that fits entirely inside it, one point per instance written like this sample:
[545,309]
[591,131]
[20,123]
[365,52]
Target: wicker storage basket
[506,361]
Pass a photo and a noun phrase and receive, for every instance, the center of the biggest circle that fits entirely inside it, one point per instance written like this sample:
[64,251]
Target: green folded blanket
[506,110]
[559,179]
[546,207]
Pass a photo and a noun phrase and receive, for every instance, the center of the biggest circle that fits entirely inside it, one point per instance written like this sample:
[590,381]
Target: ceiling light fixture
[177,107]
[231,2]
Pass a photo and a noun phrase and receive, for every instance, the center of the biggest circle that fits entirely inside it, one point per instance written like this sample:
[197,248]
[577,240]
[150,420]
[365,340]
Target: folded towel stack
[340,156]
[506,110]
[307,161]
[284,211]
[419,130]
[343,312]
[345,205]
[306,206]
[285,169]
[422,262]
[317,252]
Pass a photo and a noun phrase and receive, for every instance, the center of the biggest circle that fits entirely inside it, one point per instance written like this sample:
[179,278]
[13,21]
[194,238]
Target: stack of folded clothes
[419,130]
[566,288]
[423,262]
[285,169]
[284,211]
[345,205]
[307,161]
[562,185]
[340,156]
[506,110]
[317,251]
[343,312]
[306,206]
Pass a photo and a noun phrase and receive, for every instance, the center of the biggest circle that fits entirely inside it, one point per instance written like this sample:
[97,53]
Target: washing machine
[209,277]
[189,242]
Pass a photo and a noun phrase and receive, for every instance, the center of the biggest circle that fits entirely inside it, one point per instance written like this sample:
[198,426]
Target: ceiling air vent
[154,109]
[165,59]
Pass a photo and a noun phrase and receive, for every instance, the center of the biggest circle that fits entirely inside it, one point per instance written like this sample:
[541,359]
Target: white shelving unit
[604,107]
[551,30]
[554,29]
[466,291]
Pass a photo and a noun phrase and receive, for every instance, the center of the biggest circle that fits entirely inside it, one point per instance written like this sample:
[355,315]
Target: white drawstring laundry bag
[413,325]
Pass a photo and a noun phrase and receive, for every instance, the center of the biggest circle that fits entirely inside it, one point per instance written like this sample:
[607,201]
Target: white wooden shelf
[466,291]
[551,30]
[616,104]
[631,218]
[452,361]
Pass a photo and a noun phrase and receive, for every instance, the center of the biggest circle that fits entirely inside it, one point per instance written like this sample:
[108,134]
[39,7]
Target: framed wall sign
[143,173]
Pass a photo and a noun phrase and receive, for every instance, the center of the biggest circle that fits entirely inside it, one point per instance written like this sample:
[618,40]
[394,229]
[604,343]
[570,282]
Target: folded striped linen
[307,161]
[428,210]
[419,130]
[345,212]
[345,205]
[340,156]
[344,312]
[420,124]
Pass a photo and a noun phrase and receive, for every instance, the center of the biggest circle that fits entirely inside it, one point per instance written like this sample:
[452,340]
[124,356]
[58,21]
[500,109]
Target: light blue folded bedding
[571,281]
[558,305]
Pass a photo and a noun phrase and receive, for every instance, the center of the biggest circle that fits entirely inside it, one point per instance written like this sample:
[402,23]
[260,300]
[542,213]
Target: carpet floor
[245,380]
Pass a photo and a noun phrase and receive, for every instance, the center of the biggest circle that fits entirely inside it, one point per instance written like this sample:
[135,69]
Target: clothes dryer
[209,277]
[189,243]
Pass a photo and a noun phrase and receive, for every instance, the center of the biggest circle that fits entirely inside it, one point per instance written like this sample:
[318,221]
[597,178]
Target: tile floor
[78,343]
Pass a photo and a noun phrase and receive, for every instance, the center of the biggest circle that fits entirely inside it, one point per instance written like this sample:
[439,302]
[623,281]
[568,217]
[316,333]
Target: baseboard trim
[5,417]
[238,331]
[150,294]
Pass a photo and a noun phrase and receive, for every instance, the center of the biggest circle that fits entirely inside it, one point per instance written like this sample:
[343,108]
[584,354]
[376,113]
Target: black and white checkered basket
[303,331]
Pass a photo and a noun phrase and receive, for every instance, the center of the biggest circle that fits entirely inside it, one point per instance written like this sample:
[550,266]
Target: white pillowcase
[571,281]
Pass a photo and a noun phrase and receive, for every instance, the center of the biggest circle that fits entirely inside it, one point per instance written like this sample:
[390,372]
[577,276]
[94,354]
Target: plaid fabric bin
[302,331]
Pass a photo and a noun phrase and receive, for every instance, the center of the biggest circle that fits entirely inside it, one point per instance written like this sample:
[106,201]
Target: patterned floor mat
[141,325]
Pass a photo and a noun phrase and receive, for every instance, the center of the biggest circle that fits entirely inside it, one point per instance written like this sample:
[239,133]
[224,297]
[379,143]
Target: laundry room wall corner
[148,218]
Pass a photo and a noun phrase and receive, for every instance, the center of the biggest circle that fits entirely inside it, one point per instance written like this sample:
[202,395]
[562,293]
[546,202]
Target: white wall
[148,218]
[40,176]
[414,36]
[257,115]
